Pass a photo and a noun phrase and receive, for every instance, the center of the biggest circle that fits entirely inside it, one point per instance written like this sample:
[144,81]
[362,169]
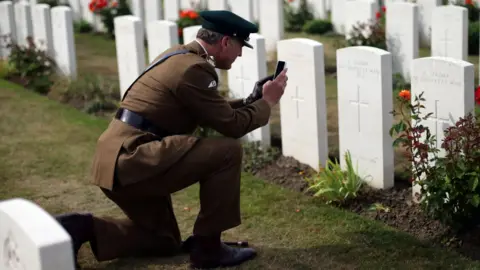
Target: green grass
[46,150]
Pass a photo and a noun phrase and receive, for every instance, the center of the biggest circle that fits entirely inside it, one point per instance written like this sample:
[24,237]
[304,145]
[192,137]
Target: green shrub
[256,157]
[82,26]
[450,189]
[317,27]
[90,93]
[31,65]
[473,38]
[296,19]
[335,185]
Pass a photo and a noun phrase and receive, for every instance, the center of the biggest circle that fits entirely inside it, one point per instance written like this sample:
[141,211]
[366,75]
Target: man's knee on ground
[232,149]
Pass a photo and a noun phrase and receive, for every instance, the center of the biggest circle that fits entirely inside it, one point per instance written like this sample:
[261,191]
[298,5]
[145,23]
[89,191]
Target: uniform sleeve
[236,103]
[197,90]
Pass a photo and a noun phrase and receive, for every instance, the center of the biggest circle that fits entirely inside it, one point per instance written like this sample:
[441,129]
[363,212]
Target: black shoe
[80,229]
[212,253]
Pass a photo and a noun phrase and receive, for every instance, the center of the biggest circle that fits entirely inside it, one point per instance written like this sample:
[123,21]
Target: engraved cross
[438,121]
[297,99]
[445,40]
[359,104]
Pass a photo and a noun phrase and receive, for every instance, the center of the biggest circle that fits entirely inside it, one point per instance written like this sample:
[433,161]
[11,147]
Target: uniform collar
[198,48]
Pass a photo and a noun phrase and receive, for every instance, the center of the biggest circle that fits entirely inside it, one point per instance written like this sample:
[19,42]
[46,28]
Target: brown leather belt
[137,121]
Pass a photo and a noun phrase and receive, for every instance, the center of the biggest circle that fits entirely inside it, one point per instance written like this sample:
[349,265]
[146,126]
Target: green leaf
[475,200]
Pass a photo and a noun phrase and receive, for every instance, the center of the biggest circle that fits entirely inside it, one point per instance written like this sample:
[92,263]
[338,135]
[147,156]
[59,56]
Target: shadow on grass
[363,250]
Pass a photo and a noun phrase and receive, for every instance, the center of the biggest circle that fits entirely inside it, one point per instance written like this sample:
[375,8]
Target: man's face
[231,48]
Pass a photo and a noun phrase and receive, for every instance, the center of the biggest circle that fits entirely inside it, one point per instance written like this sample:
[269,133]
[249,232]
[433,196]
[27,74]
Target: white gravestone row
[50,28]
[402,34]
[129,42]
[364,78]
[8,30]
[303,107]
[450,32]
[243,75]
[447,85]
[39,245]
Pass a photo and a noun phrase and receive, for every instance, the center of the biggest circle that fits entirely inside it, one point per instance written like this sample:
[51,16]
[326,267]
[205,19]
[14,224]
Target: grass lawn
[46,150]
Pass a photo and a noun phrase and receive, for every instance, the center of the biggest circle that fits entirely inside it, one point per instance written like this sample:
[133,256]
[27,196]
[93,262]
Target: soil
[394,207]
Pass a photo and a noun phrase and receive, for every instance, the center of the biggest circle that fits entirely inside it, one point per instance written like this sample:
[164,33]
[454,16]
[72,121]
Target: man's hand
[257,92]
[273,90]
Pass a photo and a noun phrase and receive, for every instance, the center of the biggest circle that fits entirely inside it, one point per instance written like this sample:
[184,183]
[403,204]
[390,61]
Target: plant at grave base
[108,10]
[449,184]
[256,157]
[82,26]
[295,19]
[31,66]
[188,17]
[335,185]
[91,93]
[370,33]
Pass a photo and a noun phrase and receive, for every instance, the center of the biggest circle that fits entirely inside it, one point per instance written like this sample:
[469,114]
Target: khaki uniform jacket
[177,95]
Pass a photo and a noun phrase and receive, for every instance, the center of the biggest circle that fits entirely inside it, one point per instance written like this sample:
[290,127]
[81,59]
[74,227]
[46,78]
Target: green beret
[229,24]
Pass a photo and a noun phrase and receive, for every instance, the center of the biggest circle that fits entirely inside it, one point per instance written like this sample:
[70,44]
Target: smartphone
[279,68]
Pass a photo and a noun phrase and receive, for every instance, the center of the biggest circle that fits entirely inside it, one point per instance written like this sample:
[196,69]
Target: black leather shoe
[211,253]
[80,229]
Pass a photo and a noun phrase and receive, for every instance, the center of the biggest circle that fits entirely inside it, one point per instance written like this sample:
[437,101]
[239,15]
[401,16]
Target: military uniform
[138,167]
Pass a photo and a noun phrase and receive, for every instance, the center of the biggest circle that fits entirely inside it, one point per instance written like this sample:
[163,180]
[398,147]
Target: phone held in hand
[279,68]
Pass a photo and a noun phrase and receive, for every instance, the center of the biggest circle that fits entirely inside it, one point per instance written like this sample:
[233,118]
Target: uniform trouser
[150,227]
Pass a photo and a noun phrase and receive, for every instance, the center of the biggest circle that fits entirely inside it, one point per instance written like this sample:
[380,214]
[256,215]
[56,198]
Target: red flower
[477,95]
[469,2]
[378,15]
[384,9]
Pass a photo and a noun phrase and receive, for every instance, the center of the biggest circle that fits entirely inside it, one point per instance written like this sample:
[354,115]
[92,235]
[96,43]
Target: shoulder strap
[154,64]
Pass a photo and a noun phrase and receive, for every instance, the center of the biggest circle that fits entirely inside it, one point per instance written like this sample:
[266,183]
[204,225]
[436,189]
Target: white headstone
[32,239]
[364,78]
[217,5]
[63,41]
[243,75]
[448,88]
[271,22]
[362,11]
[318,8]
[129,41]
[243,9]
[7,27]
[138,9]
[190,33]
[87,15]
[402,32]
[153,12]
[303,106]
[23,22]
[161,36]
[171,9]
[42,28]
[450,32]
[426,9]
[76,8]
[338,16]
